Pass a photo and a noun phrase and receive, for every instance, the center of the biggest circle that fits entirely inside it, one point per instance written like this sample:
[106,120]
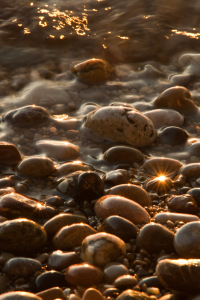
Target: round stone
[111,205]
[191,170]
[71,236]
[50,279]
[183,203]
[162,166]
[154,237]
[187,240]
[70,167]
[102,248]
[9,154]
[84,275]
[179,275]
[27,116]
[132,192]
[119,176]
[195,193]
[91,294]
[169,216]
[165,117]
[133,295]
[122,125]
[59,260]
[173,136]
[125,281]
[113,270]
[36,167]
[120,227]
[55,201]
[177,98]
[22,267]
[160,184]
[31,235]
[19,296]
[56,223]
[93,71]
[123,154]
[57,149]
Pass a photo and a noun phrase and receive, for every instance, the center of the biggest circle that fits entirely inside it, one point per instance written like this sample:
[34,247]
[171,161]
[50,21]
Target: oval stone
[9,154]
[113,270]
[83,274]
[122,125]
[22,267]
[59,260]
[52,293]
[195,193]
[102,248]
[19,296]
[191,170]
[49,280]
[125,281]
[162,166]
[111,205]
[31,235]
[71,236]
[132,192]
[123,154]
[164,217]
[70,167]
[183,203]
[133,295]
[173,136]
[179,275]
[36,167]
[187,240]
[91,294]
[57,149]
[154,238]
[165,117]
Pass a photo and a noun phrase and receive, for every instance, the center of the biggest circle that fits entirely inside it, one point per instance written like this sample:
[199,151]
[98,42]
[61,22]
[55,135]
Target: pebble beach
[99,150]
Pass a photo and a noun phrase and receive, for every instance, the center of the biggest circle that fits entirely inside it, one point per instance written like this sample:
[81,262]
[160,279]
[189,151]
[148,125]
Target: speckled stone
[52,293]
[22,267]
[187,240]
[111,205]
[102,248]
[132,192]
[9,154]
[113,270]
[183,203]
[36,167]
[133,295]
[70,167]
[180,275]
[124,125]
[191,170]
[177,98]
[154,237]
[59,260]
[57,149]
[56,223]
[93,71]
[162,166]
[123,154]
[91,294]
[83,274]
[165,117]
[19,296]
[31,235]
[164,217]
[71,236]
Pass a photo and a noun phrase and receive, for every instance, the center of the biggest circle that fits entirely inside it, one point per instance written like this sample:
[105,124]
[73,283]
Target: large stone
[22,267]
[122,125]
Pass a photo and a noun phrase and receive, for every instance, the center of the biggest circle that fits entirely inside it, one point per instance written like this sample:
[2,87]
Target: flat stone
[132,192]
[22,267]
[83,274]
[102,248]
[123,154]
[71,236]
[36,167]
[162,166]
[164,217]
[165,117]
[59,260]
[111,205]
[9,154]
[52,293]
[57,149]
[122,125]
[19,296]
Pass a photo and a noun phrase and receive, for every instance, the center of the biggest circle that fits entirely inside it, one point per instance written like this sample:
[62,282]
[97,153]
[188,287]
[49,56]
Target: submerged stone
[9,154]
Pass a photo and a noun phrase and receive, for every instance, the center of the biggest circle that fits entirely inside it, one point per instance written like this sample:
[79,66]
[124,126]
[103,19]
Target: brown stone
[36,167]
[191,170]
[123,154]
[125,281]
[164,217]
[59,260]
[183,204]
[52,293]
[133,295]
[162,166]
[113,270]
[22,267]
[9,154]
[19,296]
[91,294]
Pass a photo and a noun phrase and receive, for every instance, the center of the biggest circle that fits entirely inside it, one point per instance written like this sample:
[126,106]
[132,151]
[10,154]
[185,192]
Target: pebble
[165,117]
[132,192]
[151,281]
[55,201]
[187,240]
[84,274]
[91,294]
[36,167]
[164,217]
[191,170]
[93,71]
[52,294]
[194,149]
[195,193]
[179,275]
[19,296]
[120,227]
[71,236]
[162,166]
[125,281]
[102,248]
[21,267]
[173,136]
[59,260]
[131,294]
[56,223]
[123,154]
[9,154]
[111,205]
[159,185]
[155,237]
[124,125]
[119,176]
[6,182]
[177,98]
[184,203]
[58,150]
[49,280]
[31,235]
[70,167]
[113,270]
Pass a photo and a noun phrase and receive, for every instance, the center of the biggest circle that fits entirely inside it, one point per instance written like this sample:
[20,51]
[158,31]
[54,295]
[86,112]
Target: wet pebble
[36,167]
[173,136]
[83,274]
[132,192]
[183,204]
[125,281]
[123,154]
[162,166]
[70,167]
[165,117]
[22,267]
[124,125]
[59,260]
[52,293]
[151,281]
[102,248]
[55,201]
[113,270]
[191,170]
[164,217]
[71,236]
[119,176]
[155,237]
[19,296]
[91,294]
[195,193]
[159,185]
[9,154]
[110,205]
[131,294]
[49,280]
